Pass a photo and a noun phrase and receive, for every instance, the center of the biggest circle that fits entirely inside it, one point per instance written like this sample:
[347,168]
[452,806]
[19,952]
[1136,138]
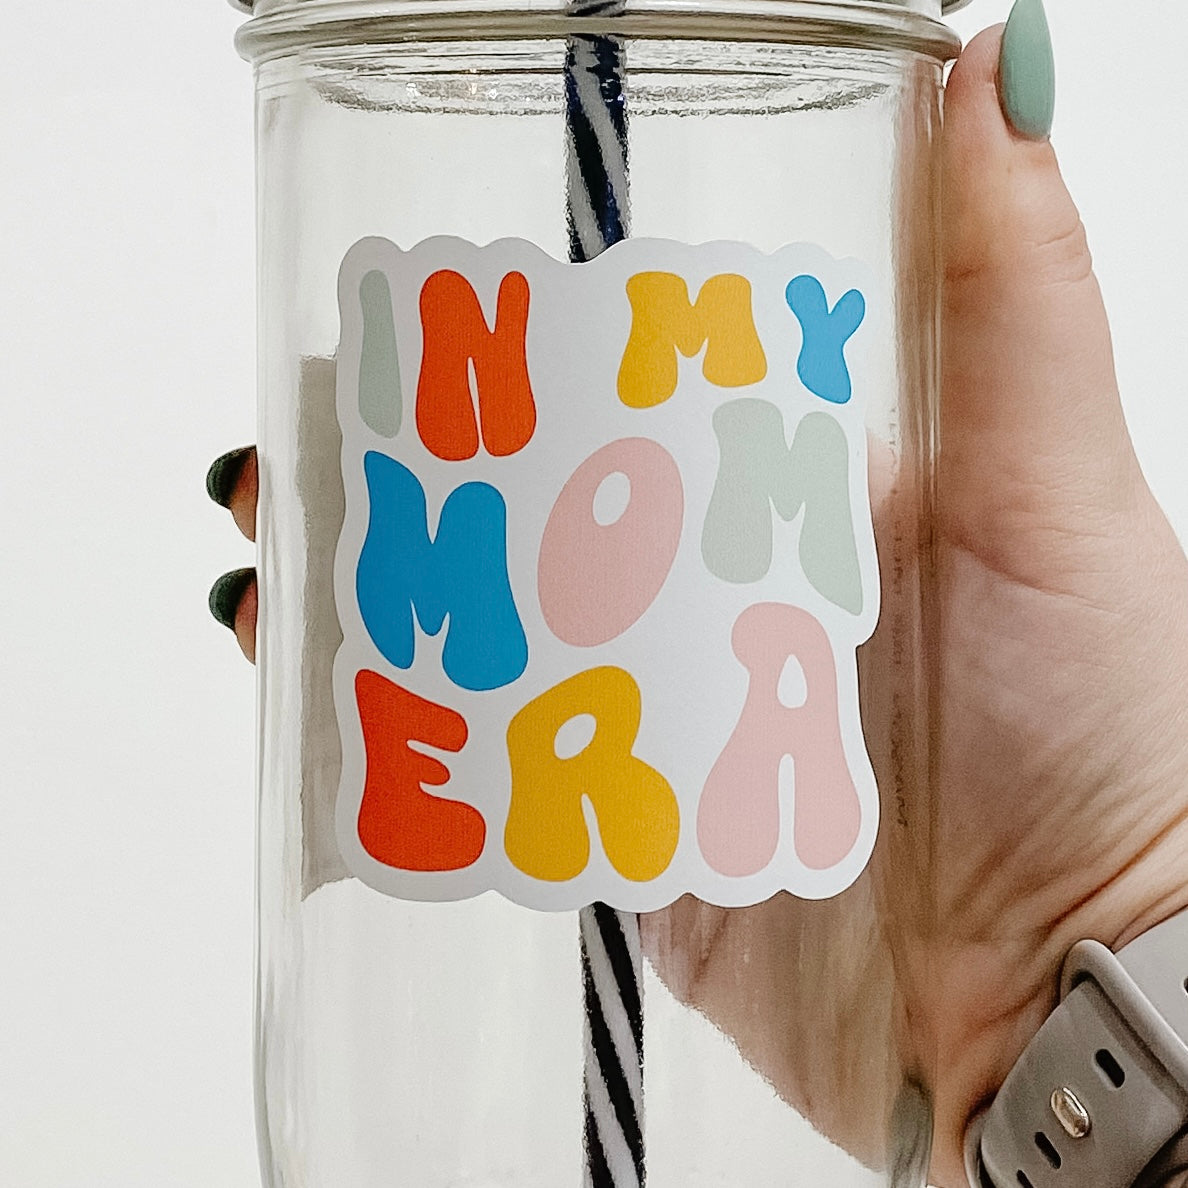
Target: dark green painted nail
[227,593]
[224,473]
[1027,71]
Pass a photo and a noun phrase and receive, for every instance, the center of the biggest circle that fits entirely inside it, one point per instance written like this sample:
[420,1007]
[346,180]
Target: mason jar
[597,430]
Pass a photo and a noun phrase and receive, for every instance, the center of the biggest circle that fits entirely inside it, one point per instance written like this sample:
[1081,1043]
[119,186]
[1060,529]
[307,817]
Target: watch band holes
[1048,1151]
[1022,1178]
[1113,1071]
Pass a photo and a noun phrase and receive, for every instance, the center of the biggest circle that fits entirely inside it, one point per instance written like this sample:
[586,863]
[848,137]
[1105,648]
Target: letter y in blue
[822,364]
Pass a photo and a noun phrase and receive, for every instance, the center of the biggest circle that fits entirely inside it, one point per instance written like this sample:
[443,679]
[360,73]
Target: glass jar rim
[247,6]
[286,25]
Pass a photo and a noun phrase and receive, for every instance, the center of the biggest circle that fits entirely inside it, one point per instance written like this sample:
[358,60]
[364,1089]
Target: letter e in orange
[400,824]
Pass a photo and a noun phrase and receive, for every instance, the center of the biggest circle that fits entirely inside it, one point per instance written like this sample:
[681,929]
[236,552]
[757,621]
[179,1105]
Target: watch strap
[1169,1169]
[1103,1086]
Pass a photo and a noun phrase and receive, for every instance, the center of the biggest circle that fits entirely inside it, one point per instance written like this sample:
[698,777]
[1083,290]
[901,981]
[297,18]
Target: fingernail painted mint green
[1027,71]
[226,594]
[224,473]
[380,400]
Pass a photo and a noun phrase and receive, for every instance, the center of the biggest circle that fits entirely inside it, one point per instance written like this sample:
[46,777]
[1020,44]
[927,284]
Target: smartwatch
[1099,1097]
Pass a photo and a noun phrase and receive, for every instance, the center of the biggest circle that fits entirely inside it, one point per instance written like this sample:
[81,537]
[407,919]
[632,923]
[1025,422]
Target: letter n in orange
[455,338]
[400,824]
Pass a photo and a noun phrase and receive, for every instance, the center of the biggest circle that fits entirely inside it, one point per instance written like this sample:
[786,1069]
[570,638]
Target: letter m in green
[757,472]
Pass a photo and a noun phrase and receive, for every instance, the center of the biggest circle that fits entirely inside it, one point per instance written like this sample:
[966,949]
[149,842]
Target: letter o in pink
[596,580]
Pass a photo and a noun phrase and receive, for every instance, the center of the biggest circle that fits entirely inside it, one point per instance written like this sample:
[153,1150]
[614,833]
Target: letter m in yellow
[663,322]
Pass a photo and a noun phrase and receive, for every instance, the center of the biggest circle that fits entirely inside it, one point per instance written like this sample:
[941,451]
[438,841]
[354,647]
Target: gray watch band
[1103,1086]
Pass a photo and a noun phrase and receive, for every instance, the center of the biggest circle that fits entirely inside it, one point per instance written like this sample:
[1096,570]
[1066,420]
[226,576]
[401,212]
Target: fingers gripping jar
[597,430]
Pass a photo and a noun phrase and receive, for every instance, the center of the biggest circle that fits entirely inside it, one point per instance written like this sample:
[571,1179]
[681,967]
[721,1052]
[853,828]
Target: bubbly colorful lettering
[503,592]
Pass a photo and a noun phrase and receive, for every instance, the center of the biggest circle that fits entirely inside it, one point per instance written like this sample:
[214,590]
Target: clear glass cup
[441,1043]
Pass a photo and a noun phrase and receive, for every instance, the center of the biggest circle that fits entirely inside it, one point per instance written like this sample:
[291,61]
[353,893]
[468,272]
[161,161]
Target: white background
[126,365]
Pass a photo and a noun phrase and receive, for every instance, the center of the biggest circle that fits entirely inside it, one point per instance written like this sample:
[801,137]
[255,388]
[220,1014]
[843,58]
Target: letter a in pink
[738,819]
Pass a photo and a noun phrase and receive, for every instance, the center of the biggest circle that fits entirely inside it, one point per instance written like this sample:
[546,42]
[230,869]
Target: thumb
[1033,435]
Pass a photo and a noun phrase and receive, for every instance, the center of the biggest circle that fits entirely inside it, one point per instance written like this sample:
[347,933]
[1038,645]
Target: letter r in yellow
[638,817]
[664,322]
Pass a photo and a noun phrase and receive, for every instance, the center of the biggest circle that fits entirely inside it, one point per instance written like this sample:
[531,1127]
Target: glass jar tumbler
[598,381]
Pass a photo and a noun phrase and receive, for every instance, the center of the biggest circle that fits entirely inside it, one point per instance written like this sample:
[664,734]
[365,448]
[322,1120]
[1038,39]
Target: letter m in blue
[461,573]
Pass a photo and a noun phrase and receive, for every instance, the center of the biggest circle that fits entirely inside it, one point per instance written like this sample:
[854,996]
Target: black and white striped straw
[611,974]
[596,138]
[612,960]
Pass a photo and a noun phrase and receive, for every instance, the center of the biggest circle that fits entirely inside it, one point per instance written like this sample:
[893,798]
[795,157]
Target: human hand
[1061,792]
[233,482]
[1061,806]
[1063,757]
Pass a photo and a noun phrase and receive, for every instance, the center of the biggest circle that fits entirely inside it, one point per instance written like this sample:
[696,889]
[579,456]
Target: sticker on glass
[606,560]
